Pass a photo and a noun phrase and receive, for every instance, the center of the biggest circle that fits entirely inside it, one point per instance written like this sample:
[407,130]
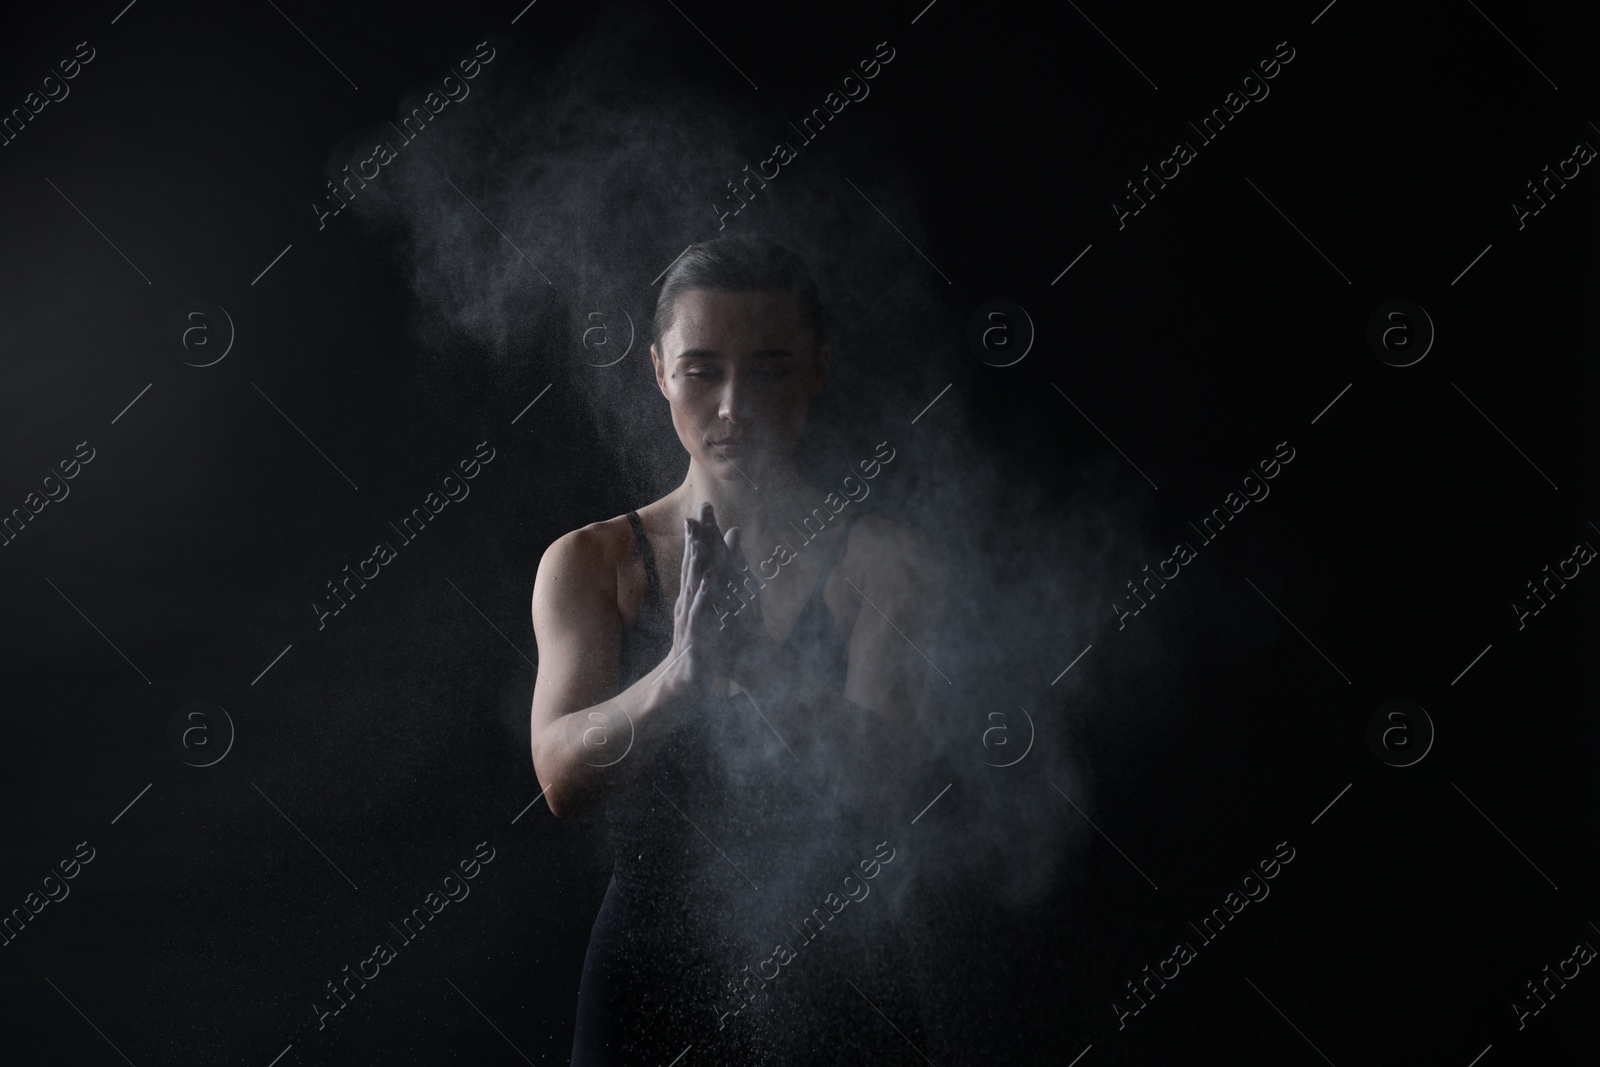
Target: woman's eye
[770,374]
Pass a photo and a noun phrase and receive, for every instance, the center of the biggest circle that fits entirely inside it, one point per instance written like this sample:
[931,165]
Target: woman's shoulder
[875,540]
[590,554]
[897,569]
[896,559]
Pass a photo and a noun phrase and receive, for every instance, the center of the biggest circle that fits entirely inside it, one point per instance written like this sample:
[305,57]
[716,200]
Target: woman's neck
[757,505]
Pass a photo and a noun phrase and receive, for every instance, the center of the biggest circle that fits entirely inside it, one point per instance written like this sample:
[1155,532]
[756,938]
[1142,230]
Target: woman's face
[739,370]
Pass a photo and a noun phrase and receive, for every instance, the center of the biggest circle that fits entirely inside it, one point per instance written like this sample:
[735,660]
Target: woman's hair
[739,265]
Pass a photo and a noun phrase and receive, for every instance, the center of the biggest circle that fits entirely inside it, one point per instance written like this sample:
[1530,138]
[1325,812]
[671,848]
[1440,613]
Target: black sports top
[723,847]
[729,745]
[812,637]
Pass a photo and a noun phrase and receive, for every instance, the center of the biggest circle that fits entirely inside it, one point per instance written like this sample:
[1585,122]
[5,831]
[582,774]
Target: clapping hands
[712,624]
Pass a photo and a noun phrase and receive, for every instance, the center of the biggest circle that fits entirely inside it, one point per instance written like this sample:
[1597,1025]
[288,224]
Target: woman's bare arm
[588,740]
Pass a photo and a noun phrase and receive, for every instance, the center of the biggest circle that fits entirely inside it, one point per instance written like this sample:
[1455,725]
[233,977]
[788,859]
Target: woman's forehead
[702,315]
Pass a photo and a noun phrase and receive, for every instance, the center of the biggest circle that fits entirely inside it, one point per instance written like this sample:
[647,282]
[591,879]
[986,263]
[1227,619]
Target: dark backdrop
[1222,319]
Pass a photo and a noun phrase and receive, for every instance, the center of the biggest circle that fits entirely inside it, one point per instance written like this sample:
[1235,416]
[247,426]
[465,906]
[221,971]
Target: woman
[748,736]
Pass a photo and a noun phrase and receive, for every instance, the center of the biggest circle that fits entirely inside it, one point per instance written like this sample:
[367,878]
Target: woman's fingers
[683,567]
[711,554]
[719,559]
[696,631]
[703,583]
[701,530]
[730,561]
[701,634]
[689,575]
[727,548]
[694,545]
[679,605]
[697,564]
[711,532]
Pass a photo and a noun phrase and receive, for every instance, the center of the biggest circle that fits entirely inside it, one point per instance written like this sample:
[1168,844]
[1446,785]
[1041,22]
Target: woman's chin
[744,464]
[737,458]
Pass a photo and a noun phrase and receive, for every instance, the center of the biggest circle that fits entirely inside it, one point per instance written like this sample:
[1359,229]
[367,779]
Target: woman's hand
[712,626]
[739,624]
[690,666]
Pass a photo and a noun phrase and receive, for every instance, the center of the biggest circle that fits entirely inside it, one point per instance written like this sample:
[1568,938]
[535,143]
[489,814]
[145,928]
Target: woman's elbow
[555,799]
[566,803]
[557,808]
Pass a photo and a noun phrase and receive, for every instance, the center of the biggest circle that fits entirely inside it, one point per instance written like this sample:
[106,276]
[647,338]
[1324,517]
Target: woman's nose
[733,405]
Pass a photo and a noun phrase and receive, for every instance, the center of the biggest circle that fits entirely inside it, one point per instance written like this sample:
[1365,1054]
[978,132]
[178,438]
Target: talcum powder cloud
[592,171]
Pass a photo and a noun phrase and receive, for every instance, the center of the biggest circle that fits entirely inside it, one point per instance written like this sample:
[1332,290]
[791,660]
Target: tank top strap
[642,543]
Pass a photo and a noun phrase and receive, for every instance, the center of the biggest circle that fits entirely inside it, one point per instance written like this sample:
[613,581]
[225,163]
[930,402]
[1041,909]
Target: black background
[1197,337]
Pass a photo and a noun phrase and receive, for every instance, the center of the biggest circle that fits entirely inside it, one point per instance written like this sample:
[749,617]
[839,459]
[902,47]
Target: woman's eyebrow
[706,353]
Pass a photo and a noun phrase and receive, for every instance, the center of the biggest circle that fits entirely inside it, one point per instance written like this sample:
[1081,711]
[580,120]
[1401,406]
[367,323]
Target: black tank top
[730,865]
[729,775]
[812,637]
